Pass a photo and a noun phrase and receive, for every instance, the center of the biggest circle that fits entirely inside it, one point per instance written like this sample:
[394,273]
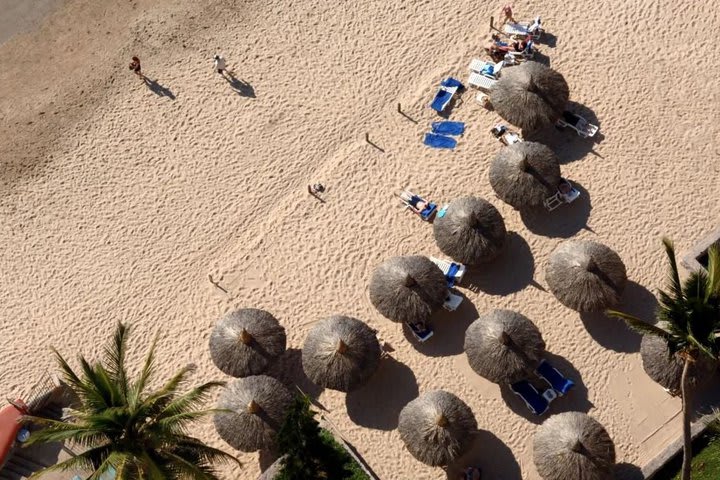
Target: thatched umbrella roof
[258,404]
[503,346]
[437,427]
[471,231]
[530,96]
[666,369]
[341,353]
[573,445]
[524,174]
[408,289]
[585,275]
[245,341]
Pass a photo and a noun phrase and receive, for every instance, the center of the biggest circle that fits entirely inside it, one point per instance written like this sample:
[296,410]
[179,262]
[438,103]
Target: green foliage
[311,452]
[705,463]
[139,434]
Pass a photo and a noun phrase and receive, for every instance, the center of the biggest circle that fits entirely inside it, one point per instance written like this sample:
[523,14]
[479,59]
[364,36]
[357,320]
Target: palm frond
[138,388]
[674,277]
[57,431]
[115,359]
[639,325]
[190,469]
[83,461]
[192,399]
[713,277]
[178,422]
[188,445]
[159,400]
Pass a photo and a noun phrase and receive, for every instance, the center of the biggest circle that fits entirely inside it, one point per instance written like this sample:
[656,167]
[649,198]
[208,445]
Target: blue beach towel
[439,141]
[448,128]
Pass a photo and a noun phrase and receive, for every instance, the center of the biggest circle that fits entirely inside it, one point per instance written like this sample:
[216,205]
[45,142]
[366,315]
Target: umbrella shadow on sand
[565,221]
[289,371]
[576,400]
[512,271]
[614,333]
[628,471]
[449,327]
[377,404]
[491,455]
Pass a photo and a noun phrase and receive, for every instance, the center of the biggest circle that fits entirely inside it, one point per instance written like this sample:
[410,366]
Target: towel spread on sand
[448,128]
[439,141]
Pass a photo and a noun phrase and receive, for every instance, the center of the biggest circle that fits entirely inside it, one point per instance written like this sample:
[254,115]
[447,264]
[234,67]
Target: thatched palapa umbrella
[503,346]
[530,96]
[585,275]
[573,445]
[245,341]
[408,289]
[666,369]
[341,353]
[524,174]
[437,427]
[471,231]
[258,404]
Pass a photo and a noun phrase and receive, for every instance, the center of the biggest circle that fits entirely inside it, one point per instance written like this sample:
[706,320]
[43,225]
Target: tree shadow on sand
[565,221]
[491,455]
[576,399]
[158,89]
[512,271]
[377,404]
[613,333]
[289,371]
[628,471]
[239,86]
[449,327]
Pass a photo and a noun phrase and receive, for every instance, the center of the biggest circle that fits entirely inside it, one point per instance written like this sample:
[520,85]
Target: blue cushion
[439,141]
[451,82]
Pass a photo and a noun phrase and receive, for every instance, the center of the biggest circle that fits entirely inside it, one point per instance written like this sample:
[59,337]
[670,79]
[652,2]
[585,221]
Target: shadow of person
[540,57]
[158,89]
[289,371]
[547,39]
[449,327]
[241,87]
[628,471]
[491,455]
[495,278]
[564,222]
[377,404]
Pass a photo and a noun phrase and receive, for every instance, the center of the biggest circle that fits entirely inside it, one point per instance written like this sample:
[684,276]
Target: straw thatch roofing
[471,231]
[408,289]
[586,275]
[524,174]
[572,445]
[530,96]
[503,346]
[666,369]
[246,341]
[437,427]
[258,404]
[341,353]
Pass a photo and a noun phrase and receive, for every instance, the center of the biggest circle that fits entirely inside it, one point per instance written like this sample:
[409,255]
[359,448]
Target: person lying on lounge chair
[415,202]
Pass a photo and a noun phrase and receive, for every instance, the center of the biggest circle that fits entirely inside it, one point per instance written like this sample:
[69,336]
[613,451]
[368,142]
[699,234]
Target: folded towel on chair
[448,128]
[439,141]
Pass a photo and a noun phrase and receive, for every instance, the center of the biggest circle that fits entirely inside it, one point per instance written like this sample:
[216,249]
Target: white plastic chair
[445,265]
[452,302]
[480,81]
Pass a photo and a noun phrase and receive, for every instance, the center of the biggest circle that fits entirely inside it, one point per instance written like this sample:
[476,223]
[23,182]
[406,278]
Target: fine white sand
[117,201]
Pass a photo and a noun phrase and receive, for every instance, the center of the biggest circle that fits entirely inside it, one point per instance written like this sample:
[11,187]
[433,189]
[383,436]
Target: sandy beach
[118,199]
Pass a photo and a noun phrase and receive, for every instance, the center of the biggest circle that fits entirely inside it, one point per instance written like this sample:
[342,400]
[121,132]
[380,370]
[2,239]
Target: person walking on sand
[507,12]
[220,64]
[135,66]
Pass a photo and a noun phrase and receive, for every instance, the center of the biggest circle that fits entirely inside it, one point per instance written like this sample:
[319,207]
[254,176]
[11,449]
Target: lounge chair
[410,199]
[452,302]
[453,272]
[566,194]
[554,378]
[537,403]
[448,88]
[504,135]
[577,123]
[480,81]
[488,69]
[533,29]
[512,57]
[422,334]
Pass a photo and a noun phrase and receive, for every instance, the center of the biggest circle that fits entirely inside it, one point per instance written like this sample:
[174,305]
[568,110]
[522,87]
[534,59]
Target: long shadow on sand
[613,333]
[565,221]
[289,371]
[239,86]
[395,383]
[158,89]
[512,271]
[576,399]
[491,455]
[449,327]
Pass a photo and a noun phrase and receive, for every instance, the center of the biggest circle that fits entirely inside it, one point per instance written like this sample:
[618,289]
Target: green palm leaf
[639,325]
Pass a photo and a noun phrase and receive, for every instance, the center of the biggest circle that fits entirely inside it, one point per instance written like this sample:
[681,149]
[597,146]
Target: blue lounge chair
[554,378]
[538,404]
[448,89]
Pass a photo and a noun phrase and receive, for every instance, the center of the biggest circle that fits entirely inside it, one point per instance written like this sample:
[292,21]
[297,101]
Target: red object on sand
[10,425]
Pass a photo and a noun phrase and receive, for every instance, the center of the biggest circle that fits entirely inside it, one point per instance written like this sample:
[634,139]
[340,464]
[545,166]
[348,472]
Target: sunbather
[416,203]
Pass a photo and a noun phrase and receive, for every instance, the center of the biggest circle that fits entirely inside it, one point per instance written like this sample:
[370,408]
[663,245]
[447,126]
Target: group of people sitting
[519,37]
[498,49]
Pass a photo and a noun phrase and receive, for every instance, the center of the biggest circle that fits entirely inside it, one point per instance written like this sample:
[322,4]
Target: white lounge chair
[453,272]
[504,135]
[480,81]
[481,67]
[452,302]
[577,123]
[533,28]
[561,198]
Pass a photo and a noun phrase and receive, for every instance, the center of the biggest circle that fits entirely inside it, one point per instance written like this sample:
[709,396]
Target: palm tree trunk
[686,406]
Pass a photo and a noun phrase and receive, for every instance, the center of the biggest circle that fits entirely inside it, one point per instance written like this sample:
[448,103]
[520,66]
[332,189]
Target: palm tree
[124,427]
[689,314]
